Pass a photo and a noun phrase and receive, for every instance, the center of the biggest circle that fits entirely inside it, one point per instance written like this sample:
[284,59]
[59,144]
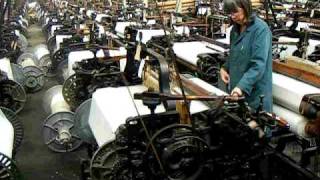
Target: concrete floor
[34,159]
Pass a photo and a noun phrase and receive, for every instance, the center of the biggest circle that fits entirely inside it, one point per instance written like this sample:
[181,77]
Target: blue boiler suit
[250,62]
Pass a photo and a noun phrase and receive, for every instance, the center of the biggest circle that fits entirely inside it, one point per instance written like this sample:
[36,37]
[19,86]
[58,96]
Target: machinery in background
[227,141]
[153,139]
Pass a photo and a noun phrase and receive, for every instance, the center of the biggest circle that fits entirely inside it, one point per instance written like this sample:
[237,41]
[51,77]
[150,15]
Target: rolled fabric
[6,135]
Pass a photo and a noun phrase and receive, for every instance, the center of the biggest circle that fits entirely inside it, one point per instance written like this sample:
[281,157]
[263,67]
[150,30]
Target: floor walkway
[34,159]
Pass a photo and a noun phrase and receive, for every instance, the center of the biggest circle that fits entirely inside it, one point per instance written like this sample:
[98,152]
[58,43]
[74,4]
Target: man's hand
[224,76]
[236,92]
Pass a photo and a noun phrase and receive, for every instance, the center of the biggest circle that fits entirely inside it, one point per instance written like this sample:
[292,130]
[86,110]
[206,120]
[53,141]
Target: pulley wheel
[13,95]
[104,161]
[17,125]
[70,90]
[34,78]
[45,65]
[182,152]
[57,58]
[81,124]
[55,124]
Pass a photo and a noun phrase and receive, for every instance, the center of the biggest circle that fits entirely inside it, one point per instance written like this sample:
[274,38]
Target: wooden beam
[297,72]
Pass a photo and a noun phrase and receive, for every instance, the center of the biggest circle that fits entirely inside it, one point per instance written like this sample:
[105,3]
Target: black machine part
[58,132]
[310,106]
[13,95]
[8,169]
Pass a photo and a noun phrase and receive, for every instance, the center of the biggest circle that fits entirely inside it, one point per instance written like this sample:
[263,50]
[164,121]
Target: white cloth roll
[291,48]
[101,30]
[195,106]
[204,10]
[289,92]
[182,30]
[106,115]
[111,107]
[60,38]
[89,12]
[301,25]
[5,66]
[120,27]
[40,51]
[100,16]
[208,87]
[54,28]
[226,40]
[77,56]
[147,34]
[81,10]
[47,20]
[151,22]
[58,104]
[189,51]
[296,121]
[121,52]
[123,63]
[6,136]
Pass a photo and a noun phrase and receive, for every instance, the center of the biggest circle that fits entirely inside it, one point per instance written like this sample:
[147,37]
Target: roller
[57,129]
[187,51]
[147,34]
[77,56]
[42,55]
[81,125]
[121,26]
[104,117]
[5,66]
[8,169]
[286,93]
[34,75]
[296,121]
[59,39]
[6,136]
